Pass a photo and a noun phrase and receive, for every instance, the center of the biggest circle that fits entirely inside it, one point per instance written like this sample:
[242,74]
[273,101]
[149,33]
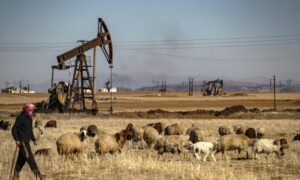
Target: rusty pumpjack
[82,84]
[212,88]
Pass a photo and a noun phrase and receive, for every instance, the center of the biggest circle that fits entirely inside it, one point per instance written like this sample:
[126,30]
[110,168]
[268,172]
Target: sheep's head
[189,146]
[83,135]
[92,130]
[297,138]
[138,134]
[282,143]
[126,134]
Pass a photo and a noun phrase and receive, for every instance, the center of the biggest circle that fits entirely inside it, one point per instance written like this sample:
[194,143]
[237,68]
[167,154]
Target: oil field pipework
[82,85]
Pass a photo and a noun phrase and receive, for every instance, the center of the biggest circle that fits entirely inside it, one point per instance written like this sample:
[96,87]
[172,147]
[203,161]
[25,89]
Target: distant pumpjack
[212,88]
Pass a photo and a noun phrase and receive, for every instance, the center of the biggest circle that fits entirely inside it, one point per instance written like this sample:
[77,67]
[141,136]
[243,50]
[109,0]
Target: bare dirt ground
[134,163]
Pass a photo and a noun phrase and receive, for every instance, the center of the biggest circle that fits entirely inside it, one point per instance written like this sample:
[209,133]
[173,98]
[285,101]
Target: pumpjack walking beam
[82,86]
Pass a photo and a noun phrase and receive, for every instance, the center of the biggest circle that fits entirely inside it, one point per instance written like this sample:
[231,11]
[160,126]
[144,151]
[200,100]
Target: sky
[232,39]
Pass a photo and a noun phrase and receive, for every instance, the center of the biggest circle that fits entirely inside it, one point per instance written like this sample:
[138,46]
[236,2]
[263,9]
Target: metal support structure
[81,86]
[94,70]
[191,86]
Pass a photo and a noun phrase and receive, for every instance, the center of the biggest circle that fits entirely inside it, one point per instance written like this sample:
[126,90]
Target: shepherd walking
[22,134]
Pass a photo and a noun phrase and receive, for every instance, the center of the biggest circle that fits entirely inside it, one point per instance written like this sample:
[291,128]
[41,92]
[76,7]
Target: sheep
[37,133]
[196,136]
[38,122]
[72,143]
[296,138]
[207,148]
[51,124]
[43,151]
[92,130]
[150,136]
[174,129]
[241,130]
[270,145]
[108,143]
[172,143]
[224,130]
[158,126]
[260,132]
[5,125]
[251,133]
[138,134]
[233,142]
[189,130]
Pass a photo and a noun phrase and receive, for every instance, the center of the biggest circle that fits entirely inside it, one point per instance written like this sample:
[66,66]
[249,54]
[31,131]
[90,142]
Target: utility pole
[111,99]
[274,90]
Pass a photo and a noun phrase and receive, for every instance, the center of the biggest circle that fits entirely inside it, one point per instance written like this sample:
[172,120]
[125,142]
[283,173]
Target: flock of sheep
[167,139]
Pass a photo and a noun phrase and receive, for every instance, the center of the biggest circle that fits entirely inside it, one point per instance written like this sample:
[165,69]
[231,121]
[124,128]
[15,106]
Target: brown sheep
[92,130]
[250,133]
[174,129]
[108,143]
[241,130]
[297,137]
[238,142]
[51,124]
[196,136]
[150,136]
[5,125]
[38,122]
[224,130]
[158,126]
[189,130]
[138,134]
[171,144]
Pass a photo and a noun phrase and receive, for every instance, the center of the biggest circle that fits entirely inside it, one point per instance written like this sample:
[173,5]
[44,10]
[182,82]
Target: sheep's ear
[117,135]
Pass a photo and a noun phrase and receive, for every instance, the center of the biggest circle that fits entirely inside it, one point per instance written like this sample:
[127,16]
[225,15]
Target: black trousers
[25,155]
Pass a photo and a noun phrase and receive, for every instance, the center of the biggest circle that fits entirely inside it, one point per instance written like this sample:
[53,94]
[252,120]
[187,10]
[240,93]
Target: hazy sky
[219,38]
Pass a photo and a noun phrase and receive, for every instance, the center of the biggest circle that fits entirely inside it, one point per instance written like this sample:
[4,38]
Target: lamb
[207,148]
[233,142]
[108,143]
[51,124]
[72,143]
[196,136]
[270,145]
[224,130]
[173,144]
[174,129]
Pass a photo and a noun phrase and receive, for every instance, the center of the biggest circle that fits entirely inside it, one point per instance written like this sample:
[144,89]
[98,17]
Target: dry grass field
[135,163]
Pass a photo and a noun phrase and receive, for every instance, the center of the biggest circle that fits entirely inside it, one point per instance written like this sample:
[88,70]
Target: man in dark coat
[22,134]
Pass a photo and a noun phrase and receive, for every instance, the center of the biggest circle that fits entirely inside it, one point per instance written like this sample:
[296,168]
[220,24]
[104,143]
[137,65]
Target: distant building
[104,89]
[17,90]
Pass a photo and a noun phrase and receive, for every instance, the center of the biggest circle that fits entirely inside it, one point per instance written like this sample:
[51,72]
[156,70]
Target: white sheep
[72,143]
[269,146]
[207,148]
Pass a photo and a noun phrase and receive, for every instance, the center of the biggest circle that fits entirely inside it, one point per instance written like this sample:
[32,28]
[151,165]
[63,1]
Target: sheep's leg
[212,155]
[197,156]
[204,159]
